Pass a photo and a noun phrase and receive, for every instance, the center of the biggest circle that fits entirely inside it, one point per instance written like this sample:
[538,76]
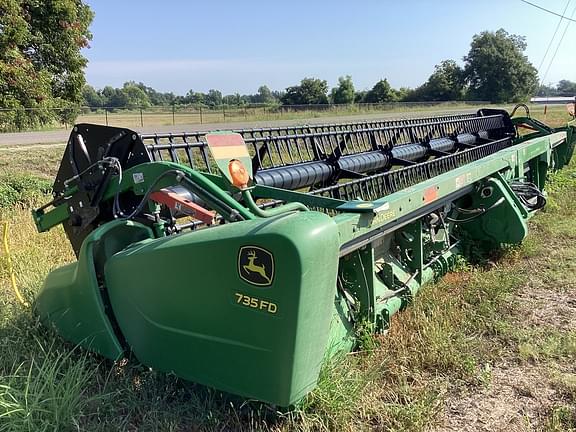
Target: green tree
[91,97]
[344,93]
[547,90]
[213,98]
[360,96]
[41,66]
[59,30]
[264,95]
[135,96]
[381,92]
[114,97]
[193,97]
[155,97]
[566,87]
[21,85]
[107,95]
[497,70]
[278,94]
[232,99]
[445,84]
[403,93]
[311,91]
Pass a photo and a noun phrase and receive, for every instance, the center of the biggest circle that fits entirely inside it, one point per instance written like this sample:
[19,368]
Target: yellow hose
[10,267]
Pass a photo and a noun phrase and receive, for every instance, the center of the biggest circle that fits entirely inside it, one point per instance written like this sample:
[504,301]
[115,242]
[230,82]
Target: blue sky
[177,45]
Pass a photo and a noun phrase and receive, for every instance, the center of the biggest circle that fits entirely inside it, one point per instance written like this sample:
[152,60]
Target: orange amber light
[238,173]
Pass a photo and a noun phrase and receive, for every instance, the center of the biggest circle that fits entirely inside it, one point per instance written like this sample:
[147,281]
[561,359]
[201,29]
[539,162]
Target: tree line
[563,88]
[138,95]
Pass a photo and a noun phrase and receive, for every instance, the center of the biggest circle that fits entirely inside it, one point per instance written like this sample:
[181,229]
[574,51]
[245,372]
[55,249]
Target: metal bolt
[487,192]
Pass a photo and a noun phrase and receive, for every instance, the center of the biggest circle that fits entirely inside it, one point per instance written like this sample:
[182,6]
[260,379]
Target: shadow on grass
[49,384]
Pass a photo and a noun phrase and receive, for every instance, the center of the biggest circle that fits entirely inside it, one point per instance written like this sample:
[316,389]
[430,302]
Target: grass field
[490,347]
[162,116]
[189,116]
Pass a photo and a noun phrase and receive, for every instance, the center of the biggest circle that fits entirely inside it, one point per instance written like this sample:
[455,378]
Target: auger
[243,260]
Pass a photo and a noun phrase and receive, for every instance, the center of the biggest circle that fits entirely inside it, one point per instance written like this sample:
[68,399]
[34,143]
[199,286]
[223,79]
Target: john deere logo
[256,265]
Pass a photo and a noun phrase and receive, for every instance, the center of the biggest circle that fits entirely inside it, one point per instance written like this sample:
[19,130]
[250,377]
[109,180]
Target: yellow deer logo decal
[256,265]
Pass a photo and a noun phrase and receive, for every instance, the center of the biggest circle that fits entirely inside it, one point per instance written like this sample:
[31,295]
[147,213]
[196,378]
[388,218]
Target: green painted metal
[255,306]
[141,179]
[208,325]
[71,298]
[505,223]
[409,201]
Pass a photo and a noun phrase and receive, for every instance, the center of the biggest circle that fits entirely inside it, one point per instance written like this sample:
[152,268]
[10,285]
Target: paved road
[60,136]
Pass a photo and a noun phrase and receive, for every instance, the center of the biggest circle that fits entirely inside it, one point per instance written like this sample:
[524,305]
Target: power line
[547,10]
[553,37]
[559,43]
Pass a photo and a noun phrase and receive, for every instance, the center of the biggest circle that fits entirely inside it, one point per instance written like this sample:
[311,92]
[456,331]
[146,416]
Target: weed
[21,190]
[562,419]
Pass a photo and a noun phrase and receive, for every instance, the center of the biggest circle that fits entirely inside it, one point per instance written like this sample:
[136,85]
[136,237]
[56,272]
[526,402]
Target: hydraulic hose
[295,206]
[476,212]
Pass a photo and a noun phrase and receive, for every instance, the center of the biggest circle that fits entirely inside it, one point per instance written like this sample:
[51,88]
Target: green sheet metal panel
[184,305]
[71,299]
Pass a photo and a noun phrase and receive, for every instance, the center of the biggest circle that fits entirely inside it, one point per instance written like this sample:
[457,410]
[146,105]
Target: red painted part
[430,194]
[225,140]
[178,203]
[525,126]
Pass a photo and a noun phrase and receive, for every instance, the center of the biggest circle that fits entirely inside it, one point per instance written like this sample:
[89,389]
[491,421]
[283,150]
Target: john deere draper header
[243,260]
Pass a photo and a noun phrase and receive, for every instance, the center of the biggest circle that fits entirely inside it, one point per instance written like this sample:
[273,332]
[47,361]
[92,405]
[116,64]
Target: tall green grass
[21,190]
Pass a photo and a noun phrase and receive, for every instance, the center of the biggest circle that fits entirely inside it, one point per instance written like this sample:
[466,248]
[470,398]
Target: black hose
[144,200]
[529,195]
[477,212]
[521,105]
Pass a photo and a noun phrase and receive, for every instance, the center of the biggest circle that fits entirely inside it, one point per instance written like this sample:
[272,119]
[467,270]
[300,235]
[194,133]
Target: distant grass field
[448,360]
[160,116]
[165,117]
